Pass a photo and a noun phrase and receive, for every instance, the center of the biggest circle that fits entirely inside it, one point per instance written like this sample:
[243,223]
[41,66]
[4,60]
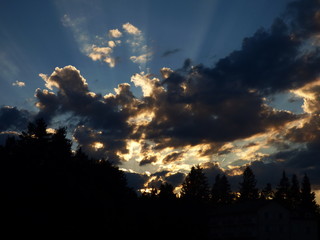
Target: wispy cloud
[97,52]
[19,84]
[137,42]
[104,47]
[79,31]
[170,52]
[141,59]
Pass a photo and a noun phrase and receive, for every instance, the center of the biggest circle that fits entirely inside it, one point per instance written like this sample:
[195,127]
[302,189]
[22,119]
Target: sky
[157,87]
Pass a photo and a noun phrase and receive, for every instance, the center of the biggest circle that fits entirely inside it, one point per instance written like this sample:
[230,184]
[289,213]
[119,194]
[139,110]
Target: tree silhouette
[58,189]
[60,144]
[215,190]
[221,191]
[248,190]
[282,193]
[307,196]
[294,192]
[166,192]
[46,186]
[35,147]
[36,130]
[267,193]
[195,185]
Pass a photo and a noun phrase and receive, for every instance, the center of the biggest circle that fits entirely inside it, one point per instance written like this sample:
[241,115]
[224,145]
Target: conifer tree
[215,190]
[248,190]
[166,192]
[195,185]
[221,191]
[294,191]
[267,193]
[307,196]
[283,189]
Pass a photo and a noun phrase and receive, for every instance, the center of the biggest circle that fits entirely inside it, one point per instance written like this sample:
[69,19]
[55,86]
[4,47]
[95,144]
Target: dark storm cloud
[303,159]
[264,173]
[12,118]
[226,102]
[136,180]
[309,132]
[173,157]
[270,61]
[148,160]
[197,108]
[158,178]
[100,144]
[13,121]
[73,96]
[175,179]
[48,103]
[299,160]
[305,17]
[104,117]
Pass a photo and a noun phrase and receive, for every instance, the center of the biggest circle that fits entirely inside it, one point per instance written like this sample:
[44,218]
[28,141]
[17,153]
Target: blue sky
[227,65]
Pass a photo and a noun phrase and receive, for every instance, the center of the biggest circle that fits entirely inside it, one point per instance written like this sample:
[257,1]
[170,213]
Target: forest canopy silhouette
[47,186]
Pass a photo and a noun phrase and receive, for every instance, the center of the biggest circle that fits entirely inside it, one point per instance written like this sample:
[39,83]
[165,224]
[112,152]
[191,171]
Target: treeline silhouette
[48,188]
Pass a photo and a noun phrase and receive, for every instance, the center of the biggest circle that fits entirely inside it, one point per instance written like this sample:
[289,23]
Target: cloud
[166,72]
[173,157]
[175,179]
[114,33]
[311,96]
[79,31]
[142,59]
[156,179]
[112,44]
[135,180]
[197,113]
[129,28]
[97,52]
[304,18]
[100,144]
[14,119]
[101,118]
[100,53]
[147,84]
[68,80]
[19,84]
[258,68]
[102,48]
[170,52]
[148,160]
[193,112]
[138,46]
[103,54]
